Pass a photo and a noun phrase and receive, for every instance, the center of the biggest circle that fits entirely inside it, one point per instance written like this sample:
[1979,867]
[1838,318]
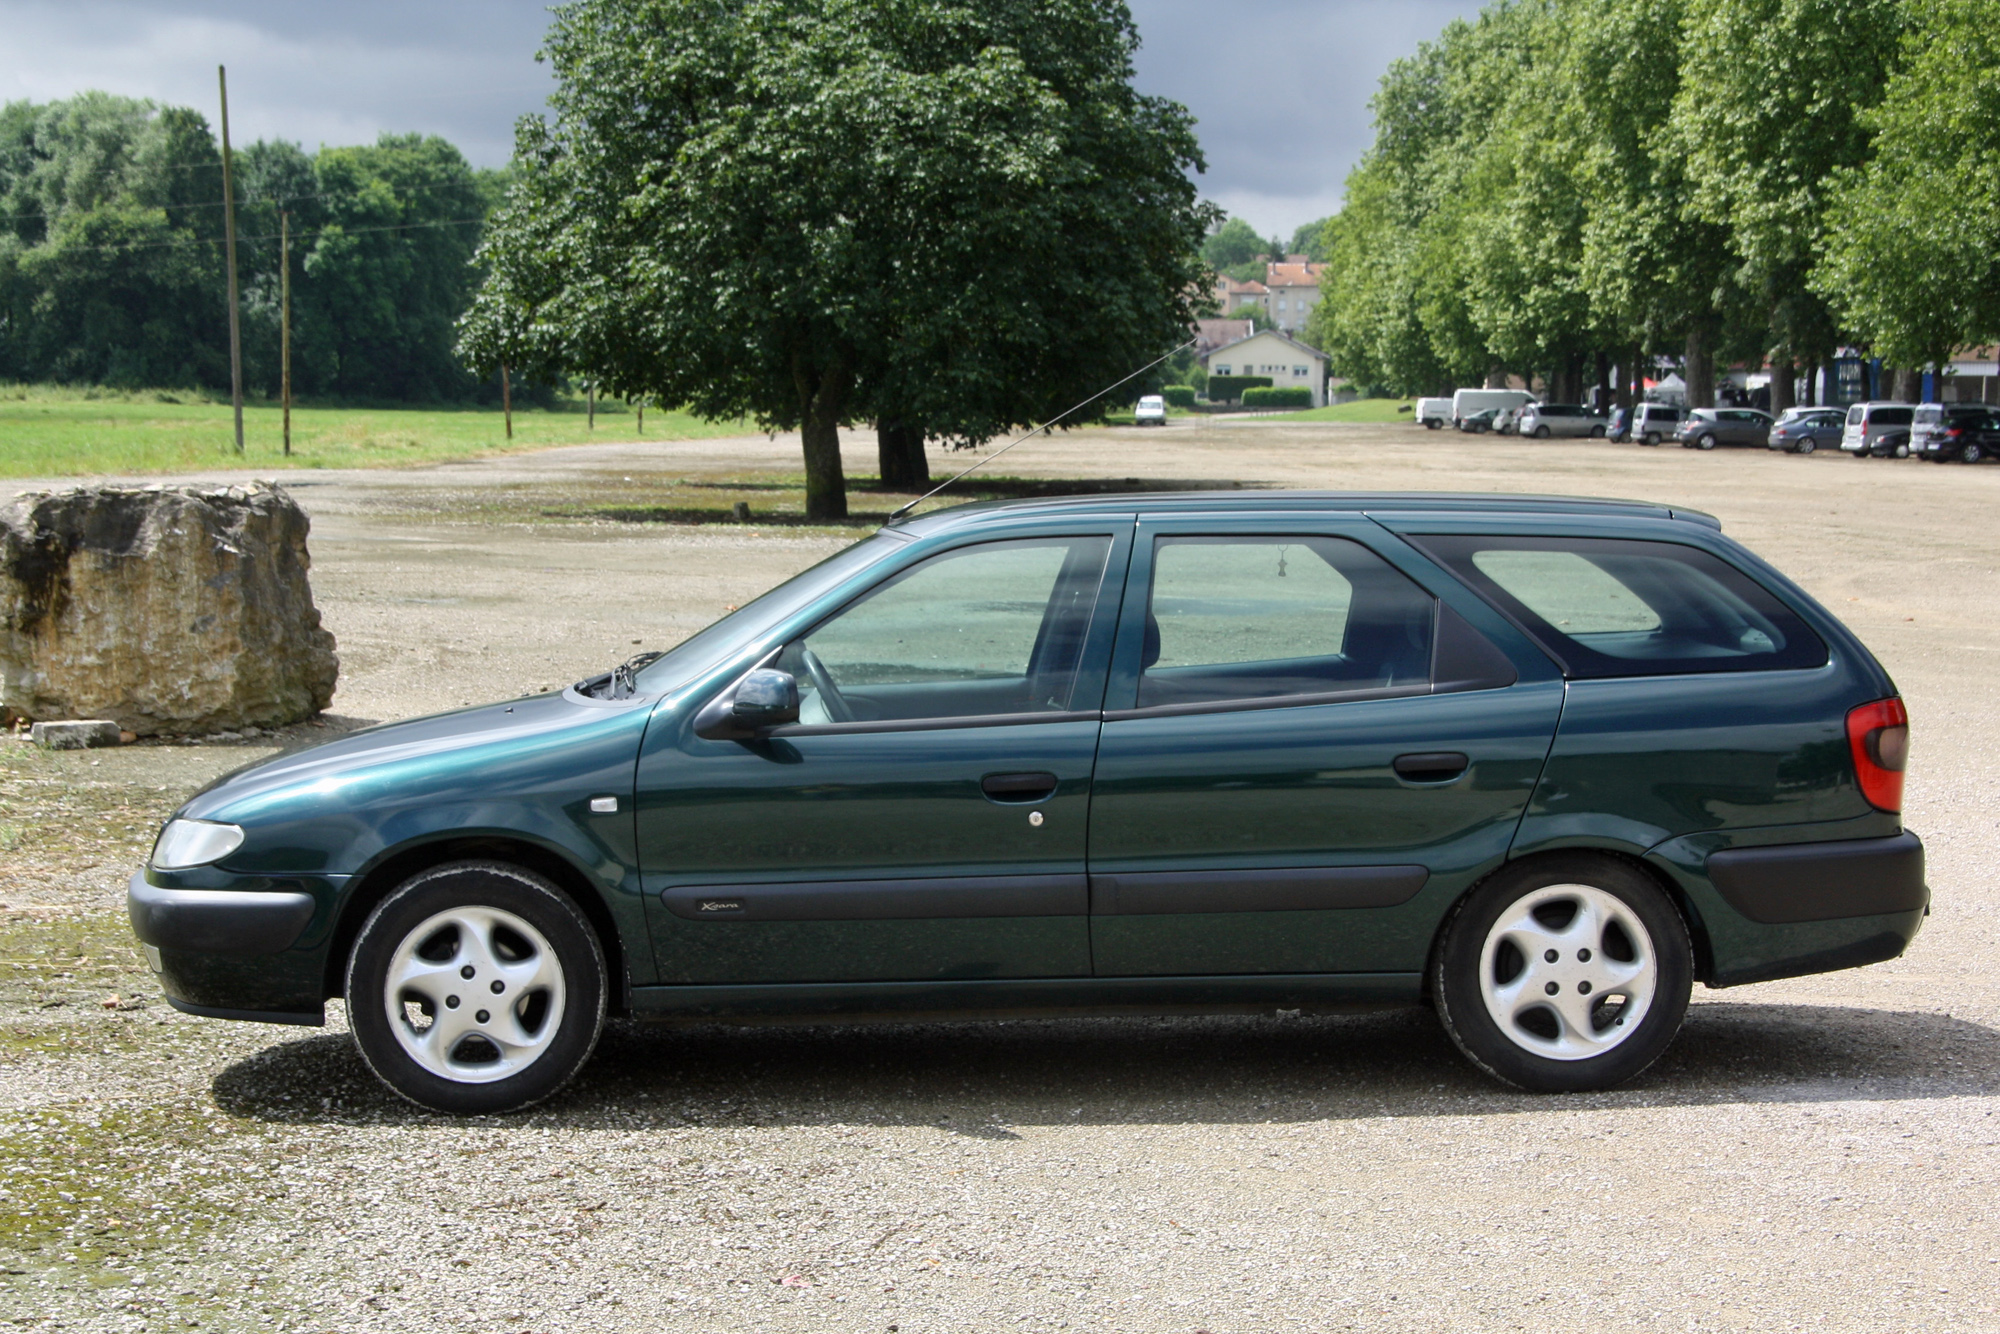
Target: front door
[1306,755]
[926,817]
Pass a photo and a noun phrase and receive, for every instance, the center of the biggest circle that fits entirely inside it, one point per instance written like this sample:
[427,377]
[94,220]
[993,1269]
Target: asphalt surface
[1817,1153]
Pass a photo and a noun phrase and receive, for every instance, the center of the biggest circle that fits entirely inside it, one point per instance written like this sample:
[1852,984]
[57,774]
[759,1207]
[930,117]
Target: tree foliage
[1562,181]
[814,212]
[111,258]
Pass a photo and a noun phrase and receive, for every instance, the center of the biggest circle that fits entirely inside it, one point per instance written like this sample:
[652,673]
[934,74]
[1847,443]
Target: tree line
[111,255]
[1560,185]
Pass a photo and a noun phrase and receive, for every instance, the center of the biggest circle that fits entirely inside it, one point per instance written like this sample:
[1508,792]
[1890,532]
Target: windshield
[706,648]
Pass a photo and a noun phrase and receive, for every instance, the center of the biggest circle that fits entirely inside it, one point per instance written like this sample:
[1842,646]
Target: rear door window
[1611,607]
[1236,618]
[1890,417]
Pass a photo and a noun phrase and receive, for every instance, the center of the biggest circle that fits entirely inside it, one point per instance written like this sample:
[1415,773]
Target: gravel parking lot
[1819,1153]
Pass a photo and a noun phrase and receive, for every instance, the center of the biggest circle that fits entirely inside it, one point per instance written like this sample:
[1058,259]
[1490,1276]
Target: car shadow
[986,1080]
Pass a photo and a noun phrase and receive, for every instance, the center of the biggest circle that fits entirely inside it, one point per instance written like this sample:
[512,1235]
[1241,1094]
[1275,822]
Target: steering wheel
[829,694]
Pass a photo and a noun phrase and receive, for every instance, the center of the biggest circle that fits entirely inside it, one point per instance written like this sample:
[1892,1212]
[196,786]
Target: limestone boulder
[167,609]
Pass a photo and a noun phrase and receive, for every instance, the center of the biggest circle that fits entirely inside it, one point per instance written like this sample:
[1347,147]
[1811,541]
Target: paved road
[1818,1153]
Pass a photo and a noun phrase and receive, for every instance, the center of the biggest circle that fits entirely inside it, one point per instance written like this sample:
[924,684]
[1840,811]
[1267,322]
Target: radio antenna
[980,463]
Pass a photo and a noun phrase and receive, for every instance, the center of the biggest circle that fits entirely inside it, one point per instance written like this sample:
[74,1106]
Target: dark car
[1541,763]
[1803,430]
[1705,428]
[1479,423]
[1968,432]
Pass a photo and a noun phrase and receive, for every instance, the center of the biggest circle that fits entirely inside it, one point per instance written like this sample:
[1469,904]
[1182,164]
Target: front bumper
[231,953]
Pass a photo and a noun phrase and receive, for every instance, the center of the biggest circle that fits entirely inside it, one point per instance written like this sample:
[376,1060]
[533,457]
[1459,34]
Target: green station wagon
[1541,762]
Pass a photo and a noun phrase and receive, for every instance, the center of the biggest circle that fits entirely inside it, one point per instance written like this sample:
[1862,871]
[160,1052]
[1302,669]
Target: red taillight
[1879,736]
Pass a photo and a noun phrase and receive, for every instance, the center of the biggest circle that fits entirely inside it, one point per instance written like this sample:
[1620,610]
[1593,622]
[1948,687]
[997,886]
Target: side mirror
[761,699]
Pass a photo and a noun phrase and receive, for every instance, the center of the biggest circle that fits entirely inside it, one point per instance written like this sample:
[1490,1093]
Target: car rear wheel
[1705,442]
[1972,453]
[1541,433]
[1597,433]
[1650,438]
[476,987]
[1564,974]
[1807,445]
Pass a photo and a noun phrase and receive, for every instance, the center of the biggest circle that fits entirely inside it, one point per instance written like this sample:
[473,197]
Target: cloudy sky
[1280,87]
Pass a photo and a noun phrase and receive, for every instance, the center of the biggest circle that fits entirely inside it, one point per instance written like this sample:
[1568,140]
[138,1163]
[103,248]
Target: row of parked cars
[1940,432]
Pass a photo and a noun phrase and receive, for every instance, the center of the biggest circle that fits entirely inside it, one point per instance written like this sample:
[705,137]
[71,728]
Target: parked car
[1434,413]
[1543,763]
[1468,401]
[1479,423]
[1867,423]
[1968,432]
[1654,422]
[1150,410]
[1542,420]
[1705,428]
[1506,421]
[1803,430]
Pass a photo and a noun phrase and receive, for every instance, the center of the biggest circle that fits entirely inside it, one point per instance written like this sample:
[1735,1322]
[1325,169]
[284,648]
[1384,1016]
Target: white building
[1286,360]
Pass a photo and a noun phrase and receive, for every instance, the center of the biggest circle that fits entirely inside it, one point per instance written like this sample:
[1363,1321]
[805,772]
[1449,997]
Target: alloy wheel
[474,994]
[1568,972]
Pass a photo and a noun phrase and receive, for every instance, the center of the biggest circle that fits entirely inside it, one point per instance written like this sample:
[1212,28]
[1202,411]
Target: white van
[1868,423]
[1433,412]
[1468,401]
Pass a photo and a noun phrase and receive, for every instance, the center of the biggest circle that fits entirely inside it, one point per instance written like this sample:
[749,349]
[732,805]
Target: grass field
[56,432]
[1371,410]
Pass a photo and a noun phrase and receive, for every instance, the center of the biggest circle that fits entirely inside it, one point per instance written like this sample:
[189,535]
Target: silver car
[1868,423]
[1542,420]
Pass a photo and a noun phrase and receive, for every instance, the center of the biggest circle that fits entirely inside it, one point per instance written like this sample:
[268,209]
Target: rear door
[1307,753]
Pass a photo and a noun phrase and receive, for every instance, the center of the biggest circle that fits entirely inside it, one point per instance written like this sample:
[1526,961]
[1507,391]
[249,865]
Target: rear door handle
[1019,789]
[1431,766]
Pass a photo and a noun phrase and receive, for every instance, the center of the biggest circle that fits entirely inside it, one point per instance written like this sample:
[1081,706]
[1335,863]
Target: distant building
[1286,360]
[1291,291]
[1211,334]
[1231,296]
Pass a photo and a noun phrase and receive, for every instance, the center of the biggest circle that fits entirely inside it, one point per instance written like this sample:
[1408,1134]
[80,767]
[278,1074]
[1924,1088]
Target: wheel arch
[1704,958]
[380,880]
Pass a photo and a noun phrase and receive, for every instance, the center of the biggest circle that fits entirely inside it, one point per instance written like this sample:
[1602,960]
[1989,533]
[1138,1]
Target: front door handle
[1018,789]
[1431,766]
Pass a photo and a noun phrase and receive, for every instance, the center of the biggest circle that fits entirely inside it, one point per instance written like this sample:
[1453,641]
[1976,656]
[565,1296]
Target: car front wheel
[476,987]
[1541,433]
[1650,438]
[1564,974]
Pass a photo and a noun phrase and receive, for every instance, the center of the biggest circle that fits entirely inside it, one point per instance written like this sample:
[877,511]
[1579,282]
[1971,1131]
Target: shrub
[1226,388]
[1285,396]
[1178,395]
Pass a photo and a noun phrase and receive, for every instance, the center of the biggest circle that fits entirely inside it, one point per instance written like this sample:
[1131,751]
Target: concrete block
[75,734]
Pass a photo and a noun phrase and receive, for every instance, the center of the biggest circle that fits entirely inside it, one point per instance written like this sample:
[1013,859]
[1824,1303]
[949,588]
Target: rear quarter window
[1613,607]
[1890,417]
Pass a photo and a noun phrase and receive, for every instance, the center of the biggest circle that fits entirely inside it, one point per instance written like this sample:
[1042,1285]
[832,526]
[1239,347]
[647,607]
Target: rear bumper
[1766,910]
[1821,882]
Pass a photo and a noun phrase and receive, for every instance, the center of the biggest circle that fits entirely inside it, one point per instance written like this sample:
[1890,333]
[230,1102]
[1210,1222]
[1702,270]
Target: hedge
[1179,395]
[1285,396]
[1228,388]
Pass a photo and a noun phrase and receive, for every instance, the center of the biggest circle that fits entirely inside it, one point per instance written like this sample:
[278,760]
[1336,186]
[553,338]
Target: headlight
[185,843]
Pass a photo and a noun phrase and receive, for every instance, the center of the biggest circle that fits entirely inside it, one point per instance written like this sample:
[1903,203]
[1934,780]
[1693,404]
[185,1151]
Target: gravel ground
[1818,1153]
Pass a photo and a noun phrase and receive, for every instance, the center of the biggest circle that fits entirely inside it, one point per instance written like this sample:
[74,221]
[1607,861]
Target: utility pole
[229,228]
[285,320]
[506,400]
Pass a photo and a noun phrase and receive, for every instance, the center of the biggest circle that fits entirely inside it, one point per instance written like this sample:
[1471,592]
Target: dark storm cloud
[1280,87]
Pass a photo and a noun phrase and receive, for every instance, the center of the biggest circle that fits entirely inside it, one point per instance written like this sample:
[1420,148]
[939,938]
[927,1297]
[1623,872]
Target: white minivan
[1869,423]
[1468,401]
[1433,413]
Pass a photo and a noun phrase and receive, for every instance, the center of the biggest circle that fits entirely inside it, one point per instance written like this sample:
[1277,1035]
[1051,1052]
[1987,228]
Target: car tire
[1597,433]
[1434,425]
[1541,433]
[1806,445]
[1623,956]
[1650,438]
[1705,442]
[1902,451]
[1972,453]
[416,980]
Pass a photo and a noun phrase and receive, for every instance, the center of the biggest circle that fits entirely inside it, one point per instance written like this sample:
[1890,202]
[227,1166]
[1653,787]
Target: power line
[273,236]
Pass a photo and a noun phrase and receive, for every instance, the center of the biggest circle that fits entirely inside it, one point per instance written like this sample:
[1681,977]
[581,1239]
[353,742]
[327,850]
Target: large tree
[1913,247]
[948,218]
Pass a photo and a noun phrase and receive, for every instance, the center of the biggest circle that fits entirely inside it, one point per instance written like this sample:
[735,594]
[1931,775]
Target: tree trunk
[900,447]
[1496,378]
[1809,372]
[1699,371]
[1909,384]
[822,397]
[1781,383]
[1601,398]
